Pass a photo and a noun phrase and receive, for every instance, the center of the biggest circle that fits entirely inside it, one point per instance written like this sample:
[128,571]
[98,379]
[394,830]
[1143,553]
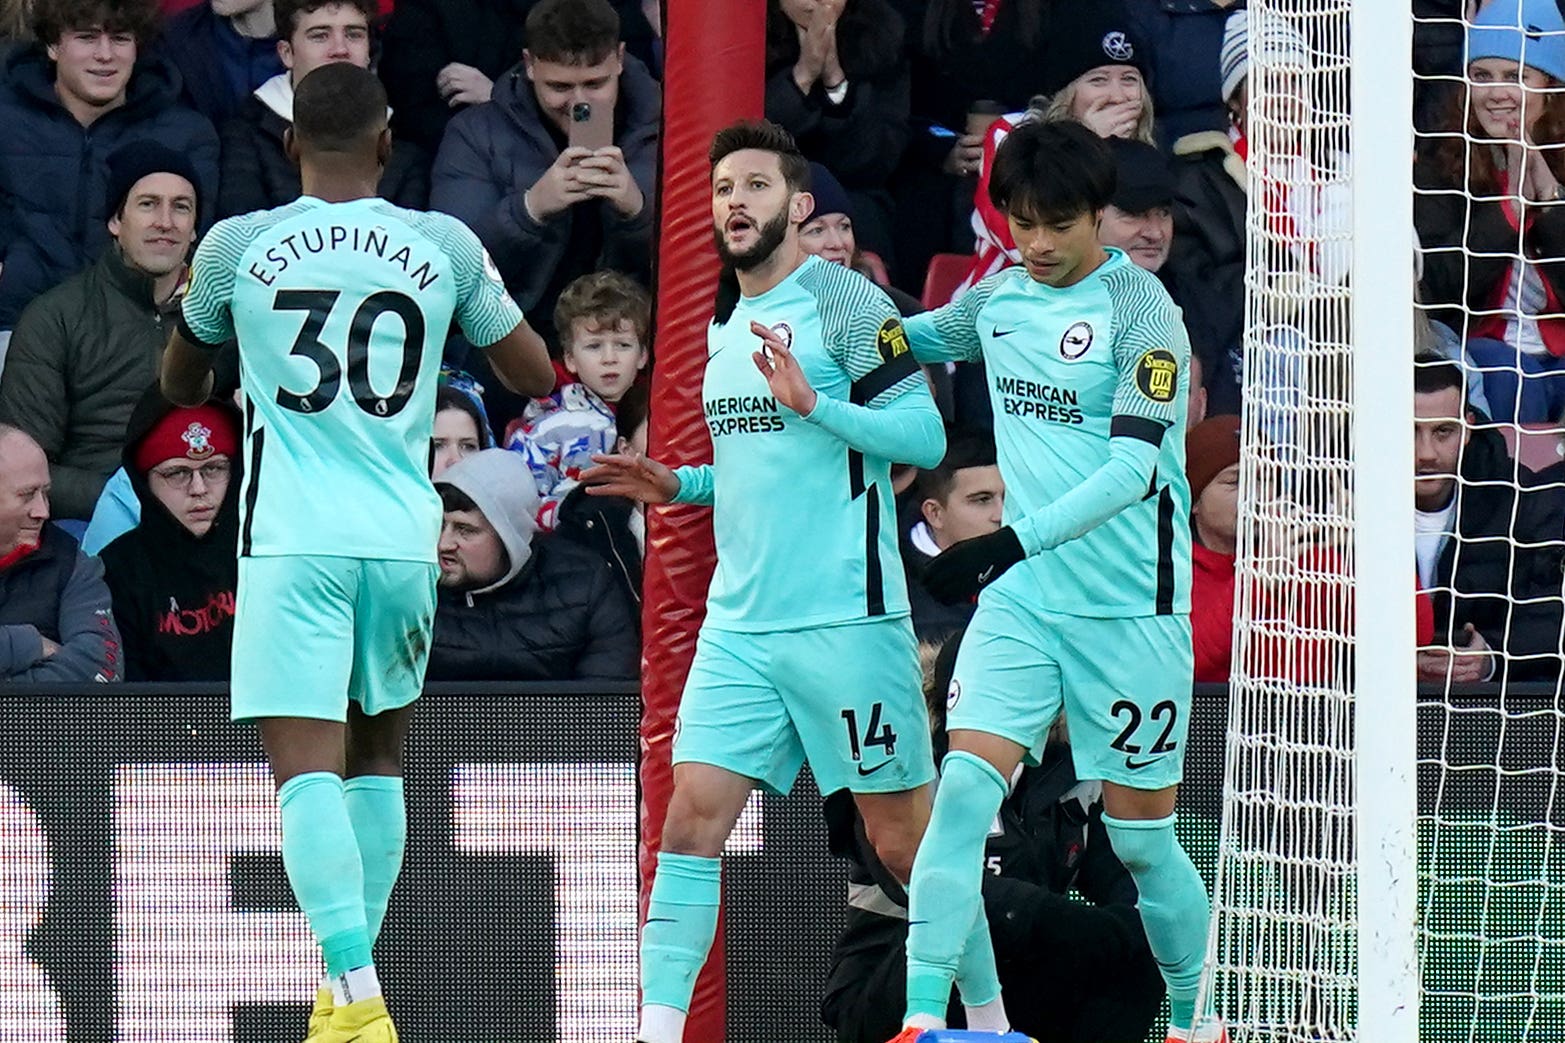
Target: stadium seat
[945,274]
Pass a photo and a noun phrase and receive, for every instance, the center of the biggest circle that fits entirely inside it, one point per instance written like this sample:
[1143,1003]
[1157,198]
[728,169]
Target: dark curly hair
[287,13]
[572,32]
[52,19]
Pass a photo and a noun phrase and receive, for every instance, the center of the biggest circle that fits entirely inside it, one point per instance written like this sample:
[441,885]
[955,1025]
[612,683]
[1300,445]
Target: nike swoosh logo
[1135,765]
[998,332]
[873,770]
[661,919]
[983,577]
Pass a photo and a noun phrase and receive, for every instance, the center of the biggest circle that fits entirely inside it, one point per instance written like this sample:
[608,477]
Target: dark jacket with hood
[218,66]
[494,153]
[258,175]
[1069,970]
[174,592]
[57,592]
[79,361]
[1510,526]
[862,139]
[1205,269]
[54,171]
[558,612]
[606,525]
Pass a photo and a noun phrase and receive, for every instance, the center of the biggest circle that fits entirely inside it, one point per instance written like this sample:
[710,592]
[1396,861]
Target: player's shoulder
[1008,278]
[235,234]
[842,294]
[1134,290]
[442,229]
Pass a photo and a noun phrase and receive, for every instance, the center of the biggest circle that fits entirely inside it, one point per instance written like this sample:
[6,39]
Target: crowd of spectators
[133,128]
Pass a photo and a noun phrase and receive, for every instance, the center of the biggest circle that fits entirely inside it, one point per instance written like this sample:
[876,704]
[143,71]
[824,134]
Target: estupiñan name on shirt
[370,242]
[1025,398]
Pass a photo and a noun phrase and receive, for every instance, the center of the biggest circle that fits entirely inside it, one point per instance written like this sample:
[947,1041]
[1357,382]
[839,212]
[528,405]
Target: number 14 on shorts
[875,733]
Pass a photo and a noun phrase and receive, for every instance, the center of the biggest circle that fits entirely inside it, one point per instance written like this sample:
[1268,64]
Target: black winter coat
[57,592]
[861,140]
[494,153]
[1205,269]
[257,174]
[1002,67]
[1069,970]
[424,36]
[1511,550]
[174,592]
[54,171]
[564,617]
[1458,282]
[602,525]
[932,620]
[218,67]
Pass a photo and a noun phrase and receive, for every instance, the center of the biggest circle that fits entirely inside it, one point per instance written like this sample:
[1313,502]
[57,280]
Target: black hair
[448,397]
[964,448]
[1053,171]
[937,687]
[572,32]
[1432,373]
[765,136]
[454,499]
[338,108]
[287,12]
[52,19]
[633,409]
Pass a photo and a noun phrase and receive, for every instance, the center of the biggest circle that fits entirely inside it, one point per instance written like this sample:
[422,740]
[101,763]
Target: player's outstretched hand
[960,571]
[788,383]
[630,474]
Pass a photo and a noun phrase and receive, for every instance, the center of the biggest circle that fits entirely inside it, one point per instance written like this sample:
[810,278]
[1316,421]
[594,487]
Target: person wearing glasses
[173,576]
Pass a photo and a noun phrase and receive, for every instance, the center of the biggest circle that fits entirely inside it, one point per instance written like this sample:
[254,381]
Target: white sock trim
[927,1022]
[361,983]
[660,1024]
[988,1017]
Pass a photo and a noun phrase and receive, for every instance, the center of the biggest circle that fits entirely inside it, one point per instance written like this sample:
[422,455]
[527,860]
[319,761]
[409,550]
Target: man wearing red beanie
[173,576]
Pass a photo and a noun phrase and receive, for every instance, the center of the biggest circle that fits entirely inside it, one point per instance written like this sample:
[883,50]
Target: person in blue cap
[1494,248]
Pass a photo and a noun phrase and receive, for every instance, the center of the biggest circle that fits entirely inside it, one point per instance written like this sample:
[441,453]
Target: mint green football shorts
[312,632]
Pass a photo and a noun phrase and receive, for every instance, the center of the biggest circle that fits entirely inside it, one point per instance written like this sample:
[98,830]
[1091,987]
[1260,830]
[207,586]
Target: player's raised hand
[631,475]
[960,571]
[788,383]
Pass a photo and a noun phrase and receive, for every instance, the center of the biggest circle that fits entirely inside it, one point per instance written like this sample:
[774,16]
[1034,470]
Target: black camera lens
[581,112]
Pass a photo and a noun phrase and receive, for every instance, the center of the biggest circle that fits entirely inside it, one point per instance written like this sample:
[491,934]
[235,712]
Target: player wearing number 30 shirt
[341,304]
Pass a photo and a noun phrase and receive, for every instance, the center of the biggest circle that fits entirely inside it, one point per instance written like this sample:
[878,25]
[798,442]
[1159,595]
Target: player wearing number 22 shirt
[341,304]
[1084,592]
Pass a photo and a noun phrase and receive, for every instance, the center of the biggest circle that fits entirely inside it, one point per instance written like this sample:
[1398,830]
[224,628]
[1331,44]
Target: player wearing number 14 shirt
[1084,593]
[341,304]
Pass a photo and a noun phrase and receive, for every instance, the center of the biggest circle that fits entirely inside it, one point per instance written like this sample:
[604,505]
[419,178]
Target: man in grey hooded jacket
[517,605]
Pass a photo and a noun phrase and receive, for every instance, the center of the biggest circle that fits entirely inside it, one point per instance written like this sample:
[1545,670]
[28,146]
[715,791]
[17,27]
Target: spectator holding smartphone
[548,210]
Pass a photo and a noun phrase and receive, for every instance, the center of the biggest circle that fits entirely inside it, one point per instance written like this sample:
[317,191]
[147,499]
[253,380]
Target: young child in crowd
[604,320]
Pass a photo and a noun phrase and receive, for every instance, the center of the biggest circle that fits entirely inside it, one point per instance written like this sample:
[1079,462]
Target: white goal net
[1386,873]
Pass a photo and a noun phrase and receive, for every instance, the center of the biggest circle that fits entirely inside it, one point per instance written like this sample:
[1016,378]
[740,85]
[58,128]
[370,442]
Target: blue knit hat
[1527,32]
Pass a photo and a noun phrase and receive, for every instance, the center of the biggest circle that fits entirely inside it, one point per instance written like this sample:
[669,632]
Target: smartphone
[592,126]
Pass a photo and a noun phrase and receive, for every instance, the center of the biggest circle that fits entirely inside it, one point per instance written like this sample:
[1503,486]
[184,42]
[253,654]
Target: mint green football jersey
[805,525]
[1067,370]
[341,311]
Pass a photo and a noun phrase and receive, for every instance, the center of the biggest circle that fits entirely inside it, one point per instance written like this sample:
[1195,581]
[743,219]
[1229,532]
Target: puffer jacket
[80,359]
[564,616]
[258,175]
[492,154]
[57,592]
[54,171]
